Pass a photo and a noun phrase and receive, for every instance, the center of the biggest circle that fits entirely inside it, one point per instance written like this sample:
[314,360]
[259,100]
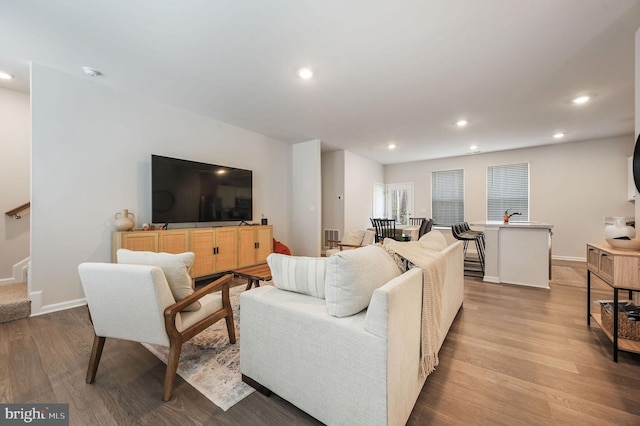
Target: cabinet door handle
[216,250]
[256,244]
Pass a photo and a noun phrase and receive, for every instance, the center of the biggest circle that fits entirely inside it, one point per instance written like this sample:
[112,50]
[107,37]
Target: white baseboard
[20,273]
[490,279]
[38,309]
[570,259]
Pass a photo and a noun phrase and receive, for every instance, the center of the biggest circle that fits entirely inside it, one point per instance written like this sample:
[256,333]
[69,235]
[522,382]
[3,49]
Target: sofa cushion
[353,275]
[369,237]
[175,267]
[353,238]
[299,274]
[433,240]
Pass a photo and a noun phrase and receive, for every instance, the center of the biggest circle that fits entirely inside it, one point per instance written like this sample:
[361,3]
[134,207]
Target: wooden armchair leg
[230,328]
[172,368]
[94,360]
[226,302]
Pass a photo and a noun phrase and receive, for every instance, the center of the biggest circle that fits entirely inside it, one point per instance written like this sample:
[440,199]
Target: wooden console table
[620,270]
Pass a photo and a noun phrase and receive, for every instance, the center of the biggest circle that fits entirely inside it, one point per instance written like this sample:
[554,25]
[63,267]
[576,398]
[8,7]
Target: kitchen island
[517,252]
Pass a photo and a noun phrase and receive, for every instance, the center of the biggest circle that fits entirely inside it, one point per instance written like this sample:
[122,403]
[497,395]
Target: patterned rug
[210,363]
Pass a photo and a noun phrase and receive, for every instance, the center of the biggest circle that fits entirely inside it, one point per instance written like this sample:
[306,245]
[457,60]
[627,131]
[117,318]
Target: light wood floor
[514,356]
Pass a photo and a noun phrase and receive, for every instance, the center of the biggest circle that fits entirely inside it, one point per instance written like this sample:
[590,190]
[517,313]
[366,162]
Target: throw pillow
[388,245]
[353,276]
[353,238]
[281,248]
[299,274]
[175,267]
[433,240]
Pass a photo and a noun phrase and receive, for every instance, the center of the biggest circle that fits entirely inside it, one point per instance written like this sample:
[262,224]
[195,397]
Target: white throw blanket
[433,267]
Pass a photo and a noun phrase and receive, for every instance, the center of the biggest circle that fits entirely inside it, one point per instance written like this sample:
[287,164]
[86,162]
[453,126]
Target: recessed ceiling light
[91,72]
[558,135]
[305,73]
[473,147]
[5,75]
[391,146]
[462,122]
[581,100]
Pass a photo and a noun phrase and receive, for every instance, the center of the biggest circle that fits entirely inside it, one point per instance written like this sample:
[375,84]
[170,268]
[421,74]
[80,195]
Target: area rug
[566,275]
[209,363]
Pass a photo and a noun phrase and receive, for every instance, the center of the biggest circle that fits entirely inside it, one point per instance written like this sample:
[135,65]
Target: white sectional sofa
[340,337]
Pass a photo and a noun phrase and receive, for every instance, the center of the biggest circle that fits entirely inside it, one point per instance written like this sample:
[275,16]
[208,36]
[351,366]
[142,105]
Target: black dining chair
[416,221]
[425,227]
[386,228]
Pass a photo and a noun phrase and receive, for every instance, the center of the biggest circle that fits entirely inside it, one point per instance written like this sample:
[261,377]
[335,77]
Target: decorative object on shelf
[507,216]
[264,220]
[619,229]
[628,319]
[124,220]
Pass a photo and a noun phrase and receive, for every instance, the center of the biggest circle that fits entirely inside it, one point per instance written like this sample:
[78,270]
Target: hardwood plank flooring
[514,356]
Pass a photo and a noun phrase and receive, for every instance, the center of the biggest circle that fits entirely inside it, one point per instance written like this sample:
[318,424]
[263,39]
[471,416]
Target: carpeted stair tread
[14,303]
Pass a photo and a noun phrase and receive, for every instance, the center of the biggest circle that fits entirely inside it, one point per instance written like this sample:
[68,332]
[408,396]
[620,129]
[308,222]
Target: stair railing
[16,213]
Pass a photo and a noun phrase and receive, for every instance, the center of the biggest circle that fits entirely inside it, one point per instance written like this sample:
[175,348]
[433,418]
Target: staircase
[14,303]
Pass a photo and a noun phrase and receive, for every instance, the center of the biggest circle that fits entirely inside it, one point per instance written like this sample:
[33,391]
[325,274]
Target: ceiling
[383,71]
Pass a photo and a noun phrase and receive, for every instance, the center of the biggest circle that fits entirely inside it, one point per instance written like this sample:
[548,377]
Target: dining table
[410,231]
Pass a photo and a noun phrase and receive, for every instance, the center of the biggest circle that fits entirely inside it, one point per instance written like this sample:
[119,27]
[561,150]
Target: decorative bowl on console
[624,244]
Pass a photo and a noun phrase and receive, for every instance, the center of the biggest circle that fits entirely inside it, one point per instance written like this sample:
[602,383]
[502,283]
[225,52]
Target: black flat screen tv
[185,191]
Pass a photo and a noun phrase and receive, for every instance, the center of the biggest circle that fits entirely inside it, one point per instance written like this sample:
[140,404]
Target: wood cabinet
[255,243]
[216,250]
[174,241]
[620,270]
[139,241]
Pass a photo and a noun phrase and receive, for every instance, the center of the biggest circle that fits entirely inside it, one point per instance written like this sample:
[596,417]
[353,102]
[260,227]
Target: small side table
[620,270]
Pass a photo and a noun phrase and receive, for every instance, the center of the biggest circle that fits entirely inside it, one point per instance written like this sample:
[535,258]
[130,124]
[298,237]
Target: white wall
[573,186]
[91,148]
[333,172]
[359,175]
[306,199]
[350,176]
[14,174]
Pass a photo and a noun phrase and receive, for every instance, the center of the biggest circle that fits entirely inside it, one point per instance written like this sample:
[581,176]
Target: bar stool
[464,233]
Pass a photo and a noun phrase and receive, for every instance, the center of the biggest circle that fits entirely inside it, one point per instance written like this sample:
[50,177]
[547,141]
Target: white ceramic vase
[619,229]
[124,220]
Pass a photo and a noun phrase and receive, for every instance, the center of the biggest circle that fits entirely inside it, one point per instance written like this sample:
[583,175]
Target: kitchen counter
[517,252]
[501,224]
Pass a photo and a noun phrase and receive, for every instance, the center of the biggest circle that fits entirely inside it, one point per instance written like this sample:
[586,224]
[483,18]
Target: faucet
[507,216]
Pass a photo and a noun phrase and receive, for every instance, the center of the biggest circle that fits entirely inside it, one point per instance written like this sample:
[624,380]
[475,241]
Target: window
[508,188]
[400,202]
[447,197]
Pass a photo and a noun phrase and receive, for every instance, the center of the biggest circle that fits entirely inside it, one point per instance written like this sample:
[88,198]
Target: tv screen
[187,191]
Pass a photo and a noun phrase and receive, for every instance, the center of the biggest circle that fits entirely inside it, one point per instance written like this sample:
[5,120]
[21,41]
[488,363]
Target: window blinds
[447,197]
[508,188]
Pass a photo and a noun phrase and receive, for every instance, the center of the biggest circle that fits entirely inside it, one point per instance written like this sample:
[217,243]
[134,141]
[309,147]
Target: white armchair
[351,240]
[134,302]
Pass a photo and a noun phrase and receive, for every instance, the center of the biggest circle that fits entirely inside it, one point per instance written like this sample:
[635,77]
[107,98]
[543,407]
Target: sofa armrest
[395,314]
[400,297]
